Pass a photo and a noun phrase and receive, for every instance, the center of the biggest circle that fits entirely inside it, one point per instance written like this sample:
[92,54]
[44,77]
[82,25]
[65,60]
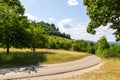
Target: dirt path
[50,72]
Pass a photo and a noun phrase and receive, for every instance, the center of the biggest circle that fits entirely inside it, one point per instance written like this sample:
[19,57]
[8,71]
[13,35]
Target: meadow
[25,57]
[110,70]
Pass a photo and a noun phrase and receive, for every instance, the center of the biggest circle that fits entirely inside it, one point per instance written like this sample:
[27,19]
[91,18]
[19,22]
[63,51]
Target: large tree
[39,38]
[101,45]
[14,4]
[102,13]
[12,24]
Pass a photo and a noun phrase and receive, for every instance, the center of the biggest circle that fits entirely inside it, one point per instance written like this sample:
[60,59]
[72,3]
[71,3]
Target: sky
[68,15]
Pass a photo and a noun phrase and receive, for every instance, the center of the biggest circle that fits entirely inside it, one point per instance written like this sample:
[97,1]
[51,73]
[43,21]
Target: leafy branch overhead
[103,12]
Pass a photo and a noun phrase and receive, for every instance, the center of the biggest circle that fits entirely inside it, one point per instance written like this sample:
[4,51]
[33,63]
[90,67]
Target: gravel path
[51,72]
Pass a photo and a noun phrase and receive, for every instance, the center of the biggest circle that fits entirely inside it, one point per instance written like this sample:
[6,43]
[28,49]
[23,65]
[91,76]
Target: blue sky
[69,15]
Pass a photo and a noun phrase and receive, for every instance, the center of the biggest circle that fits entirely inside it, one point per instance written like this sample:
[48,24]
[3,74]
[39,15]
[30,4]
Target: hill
[118,43]
[51,29]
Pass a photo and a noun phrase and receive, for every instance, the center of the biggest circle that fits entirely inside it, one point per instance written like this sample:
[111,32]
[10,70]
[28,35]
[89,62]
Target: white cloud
[78,31]
[73,2]
[105,31]
[65,23]
[51,19]
[30,16]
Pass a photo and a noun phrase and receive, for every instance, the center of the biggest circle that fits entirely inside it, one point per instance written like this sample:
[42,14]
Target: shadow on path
[21,59]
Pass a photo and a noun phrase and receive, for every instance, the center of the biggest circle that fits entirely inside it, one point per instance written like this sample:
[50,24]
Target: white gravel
[64,75]
[53,71]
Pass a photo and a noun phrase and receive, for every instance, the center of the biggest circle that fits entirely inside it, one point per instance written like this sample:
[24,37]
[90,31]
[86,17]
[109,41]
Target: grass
[25,57]
[109,71]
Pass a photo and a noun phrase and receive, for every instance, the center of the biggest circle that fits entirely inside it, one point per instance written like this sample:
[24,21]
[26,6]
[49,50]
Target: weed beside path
[109,71]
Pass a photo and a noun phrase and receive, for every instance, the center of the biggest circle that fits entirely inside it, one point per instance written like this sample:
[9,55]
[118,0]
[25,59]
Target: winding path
[53,69]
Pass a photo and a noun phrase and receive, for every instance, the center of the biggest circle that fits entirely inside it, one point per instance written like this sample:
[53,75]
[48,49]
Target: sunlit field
[25,57]
[109,71]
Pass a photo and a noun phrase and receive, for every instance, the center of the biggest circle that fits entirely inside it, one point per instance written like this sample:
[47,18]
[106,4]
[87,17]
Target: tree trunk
[34,49]
[7,46]
[7,43]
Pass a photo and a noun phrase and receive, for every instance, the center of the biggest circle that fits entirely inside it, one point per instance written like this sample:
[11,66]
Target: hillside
[118,43]
[51,29]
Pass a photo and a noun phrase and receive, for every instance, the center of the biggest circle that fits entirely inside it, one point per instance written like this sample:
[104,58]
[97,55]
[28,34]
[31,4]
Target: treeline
[51,29]
[17,31]
[101,47]
[104,49]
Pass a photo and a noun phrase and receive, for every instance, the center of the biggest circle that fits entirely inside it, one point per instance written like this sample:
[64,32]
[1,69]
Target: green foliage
[103,12]
[39,40]
[90,47]
[59,43]
[113,51]
[14,4]
[84,46]
[103,49]
[51,29]
[101,45]
[65,45]
[53,45]
[13,24]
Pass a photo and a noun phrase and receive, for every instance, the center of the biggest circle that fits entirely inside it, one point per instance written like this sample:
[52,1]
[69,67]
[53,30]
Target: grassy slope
[109,71]
[23,57]
[61,39]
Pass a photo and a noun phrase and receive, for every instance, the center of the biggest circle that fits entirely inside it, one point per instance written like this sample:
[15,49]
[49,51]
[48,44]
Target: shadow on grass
[17,59]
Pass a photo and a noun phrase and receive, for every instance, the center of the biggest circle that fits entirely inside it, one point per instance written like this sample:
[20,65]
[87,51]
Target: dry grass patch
[109,71]
[25,57]
[62,56]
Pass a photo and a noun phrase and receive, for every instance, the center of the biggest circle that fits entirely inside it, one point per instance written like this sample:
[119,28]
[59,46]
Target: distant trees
[16,29]
[104,49]
[39,39]
[59,43]
[51,29]
[84,46]
[101,45]
[65,45]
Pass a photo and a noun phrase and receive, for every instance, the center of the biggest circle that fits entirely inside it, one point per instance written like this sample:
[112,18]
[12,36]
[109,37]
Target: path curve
[53,69]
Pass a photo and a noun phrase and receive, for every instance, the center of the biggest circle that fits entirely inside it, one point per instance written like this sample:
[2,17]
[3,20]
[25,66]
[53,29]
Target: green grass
[25,57]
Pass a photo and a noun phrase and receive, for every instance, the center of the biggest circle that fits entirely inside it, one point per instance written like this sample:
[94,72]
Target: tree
[80,45]
[51,29]
[12,24]
[14,4]
[101,45]
[53,26]
[39,39]
[103,12]
[90,48]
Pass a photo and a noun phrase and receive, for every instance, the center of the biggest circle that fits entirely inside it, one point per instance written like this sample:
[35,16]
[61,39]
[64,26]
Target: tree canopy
[14,4]
[102,13]
[12,24]
[101,45]
[39,39]
[51,29]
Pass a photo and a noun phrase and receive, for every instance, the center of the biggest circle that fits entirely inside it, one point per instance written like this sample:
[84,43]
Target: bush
[65,45]
[83,46]
[53,45]
[113,51]
[90,48]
